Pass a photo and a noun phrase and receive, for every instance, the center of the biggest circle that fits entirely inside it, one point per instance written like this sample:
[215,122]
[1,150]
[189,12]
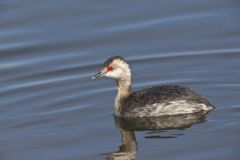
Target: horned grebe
[154,101]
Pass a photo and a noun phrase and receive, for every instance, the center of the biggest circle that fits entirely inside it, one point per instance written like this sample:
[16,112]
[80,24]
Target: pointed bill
[98,75]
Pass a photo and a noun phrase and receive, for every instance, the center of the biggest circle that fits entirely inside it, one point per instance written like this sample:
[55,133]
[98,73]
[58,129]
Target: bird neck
[124,90]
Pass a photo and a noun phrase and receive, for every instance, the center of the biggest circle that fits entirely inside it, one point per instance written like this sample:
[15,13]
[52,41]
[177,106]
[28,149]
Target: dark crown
[109,60]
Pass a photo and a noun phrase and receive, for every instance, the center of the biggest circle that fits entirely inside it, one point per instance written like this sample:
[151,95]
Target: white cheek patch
[115,73]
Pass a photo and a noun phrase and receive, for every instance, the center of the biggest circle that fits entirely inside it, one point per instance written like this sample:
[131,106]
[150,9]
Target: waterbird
[158,100]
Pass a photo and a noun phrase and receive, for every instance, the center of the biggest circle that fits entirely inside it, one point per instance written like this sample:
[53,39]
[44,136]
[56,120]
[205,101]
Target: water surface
[50,109]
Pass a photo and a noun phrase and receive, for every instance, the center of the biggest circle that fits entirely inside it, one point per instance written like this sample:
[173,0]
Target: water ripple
[154,22]
[57,111]
[234,51]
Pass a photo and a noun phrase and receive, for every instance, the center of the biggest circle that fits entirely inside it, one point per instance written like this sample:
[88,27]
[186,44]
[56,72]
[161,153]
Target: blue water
[50,109]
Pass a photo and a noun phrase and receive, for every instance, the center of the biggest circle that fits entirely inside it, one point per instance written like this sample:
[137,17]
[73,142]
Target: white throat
[124,89]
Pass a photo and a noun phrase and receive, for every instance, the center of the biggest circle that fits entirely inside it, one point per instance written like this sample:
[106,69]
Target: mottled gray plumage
[164,94]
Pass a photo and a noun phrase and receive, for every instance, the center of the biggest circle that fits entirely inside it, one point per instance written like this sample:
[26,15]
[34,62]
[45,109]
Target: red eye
[109,68]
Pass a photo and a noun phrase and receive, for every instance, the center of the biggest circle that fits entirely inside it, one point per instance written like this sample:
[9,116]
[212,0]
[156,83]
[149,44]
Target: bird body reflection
[127,126]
